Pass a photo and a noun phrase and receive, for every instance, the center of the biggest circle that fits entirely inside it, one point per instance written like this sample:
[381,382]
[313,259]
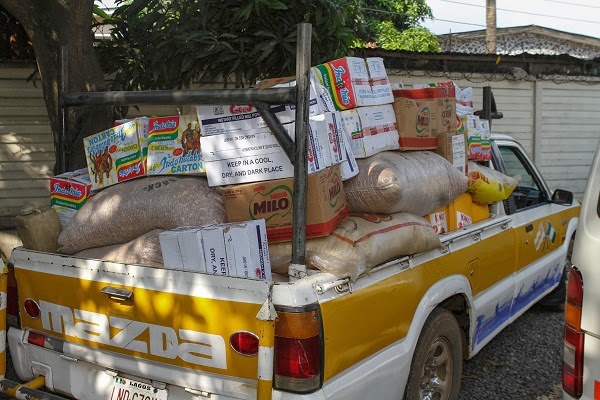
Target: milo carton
[114,155]
[174,146]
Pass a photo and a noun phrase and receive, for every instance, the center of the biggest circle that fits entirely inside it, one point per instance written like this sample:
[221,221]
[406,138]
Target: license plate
[128,389]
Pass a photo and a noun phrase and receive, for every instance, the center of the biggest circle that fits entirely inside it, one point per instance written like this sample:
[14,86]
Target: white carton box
[237,246]
[219,119]
[169,245]
[192,253]
[327,125]
[239,144]
[260,248]
[257,168]
[348,167]
[256,156]
[215,255]
[380,84]
[372,129]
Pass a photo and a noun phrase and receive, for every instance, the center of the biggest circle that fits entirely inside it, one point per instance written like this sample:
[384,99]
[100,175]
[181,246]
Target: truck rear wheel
[436,367]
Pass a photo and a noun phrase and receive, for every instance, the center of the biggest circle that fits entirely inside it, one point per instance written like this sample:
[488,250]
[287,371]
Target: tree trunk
[50,25]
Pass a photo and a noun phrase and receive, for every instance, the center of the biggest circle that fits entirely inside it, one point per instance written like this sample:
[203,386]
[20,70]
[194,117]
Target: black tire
[440,340]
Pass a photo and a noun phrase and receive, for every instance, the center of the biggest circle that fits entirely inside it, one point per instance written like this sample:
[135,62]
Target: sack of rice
[126,211]
[361,242]
[415,182]
[145,250]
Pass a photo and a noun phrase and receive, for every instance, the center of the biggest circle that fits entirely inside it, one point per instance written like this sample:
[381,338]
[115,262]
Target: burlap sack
[361,242]
[144,250]
[128,210]
[415,182]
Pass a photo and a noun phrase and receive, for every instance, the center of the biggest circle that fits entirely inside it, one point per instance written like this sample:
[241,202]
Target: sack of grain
[415,182]
[126,211]
[361,242]
[145,250]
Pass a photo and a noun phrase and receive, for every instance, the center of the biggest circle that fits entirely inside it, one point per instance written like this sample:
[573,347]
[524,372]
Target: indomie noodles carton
[114,155]
[174,146]
[354,82]
[272,200]
[68,192]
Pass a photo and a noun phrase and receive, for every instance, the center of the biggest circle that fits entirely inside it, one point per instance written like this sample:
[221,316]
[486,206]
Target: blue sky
[576,16]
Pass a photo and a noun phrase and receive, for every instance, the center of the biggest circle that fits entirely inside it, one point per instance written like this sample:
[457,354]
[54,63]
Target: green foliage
[160,44]
[412,39]
[402,14]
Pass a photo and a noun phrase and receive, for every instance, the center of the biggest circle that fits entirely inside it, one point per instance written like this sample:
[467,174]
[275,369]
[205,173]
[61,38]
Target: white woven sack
[361,242]
[416,182]
[130,209]
[145,250]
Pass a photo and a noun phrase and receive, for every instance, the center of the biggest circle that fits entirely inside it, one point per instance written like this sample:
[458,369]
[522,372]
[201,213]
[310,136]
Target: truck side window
[529,192]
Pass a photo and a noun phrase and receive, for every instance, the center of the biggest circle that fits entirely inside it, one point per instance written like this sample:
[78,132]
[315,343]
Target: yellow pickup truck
[97,330]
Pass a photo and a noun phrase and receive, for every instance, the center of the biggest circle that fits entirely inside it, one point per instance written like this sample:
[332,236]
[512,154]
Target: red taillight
[244,343]
[36,339]
[572,373]
[32,308]
[298,351]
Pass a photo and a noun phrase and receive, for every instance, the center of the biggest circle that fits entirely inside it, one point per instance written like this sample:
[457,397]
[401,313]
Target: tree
[395,25]
[50,25]
[171,43]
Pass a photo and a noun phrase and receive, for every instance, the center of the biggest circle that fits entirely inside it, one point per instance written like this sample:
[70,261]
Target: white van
[581,360]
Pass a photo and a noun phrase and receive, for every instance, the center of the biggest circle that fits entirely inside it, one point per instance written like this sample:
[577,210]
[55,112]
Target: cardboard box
[353,82]
[319,102]
[417,127]
[458,214]
[192,253]
[329,133]
[272,200]
[453,147]
[114,155]
[372,129]
[247,250]
[174,146]
[142,131]
[69,192]
[216,120]
[469,126]
[446,112]
[236,146]
[215,255]
[348,167]
[169,246]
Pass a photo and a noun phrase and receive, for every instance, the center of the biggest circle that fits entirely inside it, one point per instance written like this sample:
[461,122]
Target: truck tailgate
[178,318]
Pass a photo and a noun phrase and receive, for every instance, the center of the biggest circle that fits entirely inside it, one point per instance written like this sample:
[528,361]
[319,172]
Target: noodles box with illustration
[69,192]
[142,131]
[371,129]
[114,155]
[174,146]
[272,200]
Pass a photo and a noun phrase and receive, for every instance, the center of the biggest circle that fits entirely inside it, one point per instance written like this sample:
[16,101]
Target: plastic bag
[488,186]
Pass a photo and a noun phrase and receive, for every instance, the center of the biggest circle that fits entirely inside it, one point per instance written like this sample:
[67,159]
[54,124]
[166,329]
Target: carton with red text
[272,200]
[69,192]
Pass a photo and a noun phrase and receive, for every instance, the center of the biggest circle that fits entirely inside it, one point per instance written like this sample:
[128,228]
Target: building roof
[530,39]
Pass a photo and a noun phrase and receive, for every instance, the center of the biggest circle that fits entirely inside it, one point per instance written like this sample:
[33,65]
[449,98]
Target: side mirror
[562,197]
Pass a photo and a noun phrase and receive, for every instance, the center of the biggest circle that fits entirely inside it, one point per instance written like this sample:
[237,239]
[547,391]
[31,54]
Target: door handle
[117,293]
[529,228]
